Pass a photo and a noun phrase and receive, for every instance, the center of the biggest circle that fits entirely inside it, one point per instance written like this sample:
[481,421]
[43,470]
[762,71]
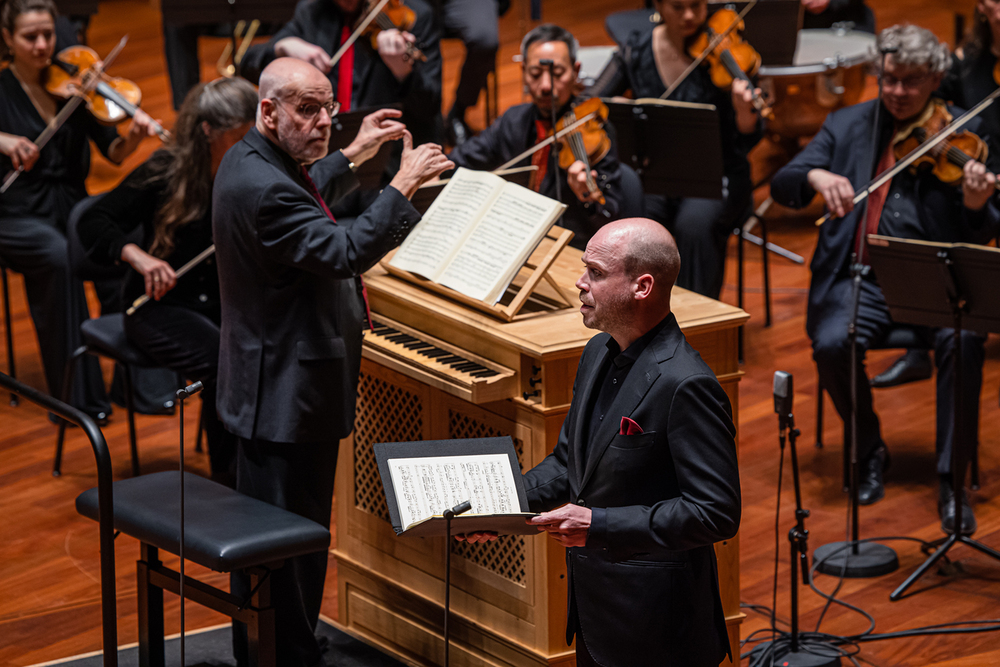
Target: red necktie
[345,72]
[876,201]
[540,158]
[314,191]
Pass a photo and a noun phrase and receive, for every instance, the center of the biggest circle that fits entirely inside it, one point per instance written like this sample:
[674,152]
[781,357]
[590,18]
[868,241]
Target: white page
[461,202]
[500,243]
[426,486]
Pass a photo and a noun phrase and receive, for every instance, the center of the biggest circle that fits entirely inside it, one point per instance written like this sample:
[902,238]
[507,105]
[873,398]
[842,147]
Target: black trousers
[476,23]
[298,478]
[831,352]
[187,342]
[36,248]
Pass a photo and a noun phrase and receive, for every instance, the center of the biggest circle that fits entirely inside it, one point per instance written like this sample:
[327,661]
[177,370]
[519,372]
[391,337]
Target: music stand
[187,12]
[941,285]
[658,137]
[343,131]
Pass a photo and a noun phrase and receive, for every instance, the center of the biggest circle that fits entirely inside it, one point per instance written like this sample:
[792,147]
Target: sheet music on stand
[343,131]
[427,193]
[658,138]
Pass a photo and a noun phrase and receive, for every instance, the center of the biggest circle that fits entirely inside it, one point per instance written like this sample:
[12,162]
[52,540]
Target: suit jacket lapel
[587,385]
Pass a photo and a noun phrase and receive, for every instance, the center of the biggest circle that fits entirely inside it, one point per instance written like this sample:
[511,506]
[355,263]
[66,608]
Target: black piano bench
[225,531]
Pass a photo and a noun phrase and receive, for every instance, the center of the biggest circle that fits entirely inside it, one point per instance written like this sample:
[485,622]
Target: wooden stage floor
[49,599]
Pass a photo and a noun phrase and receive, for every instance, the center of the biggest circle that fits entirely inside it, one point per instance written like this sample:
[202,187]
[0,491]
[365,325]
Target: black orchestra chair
[8,328]
[224,531]
[899,336]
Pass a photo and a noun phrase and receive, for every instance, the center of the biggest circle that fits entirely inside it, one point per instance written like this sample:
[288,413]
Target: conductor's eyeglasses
[309,110]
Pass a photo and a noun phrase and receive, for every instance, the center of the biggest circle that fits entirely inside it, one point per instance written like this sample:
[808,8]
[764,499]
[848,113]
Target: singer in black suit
[293,311]
[912,206]
[647,461]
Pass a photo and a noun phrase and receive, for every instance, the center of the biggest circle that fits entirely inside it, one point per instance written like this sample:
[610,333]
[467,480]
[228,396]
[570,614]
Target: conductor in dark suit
[293,310]
[913,205]
[646,461]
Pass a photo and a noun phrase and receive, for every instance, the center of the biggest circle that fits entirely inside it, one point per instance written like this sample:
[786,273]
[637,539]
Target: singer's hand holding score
[568,525]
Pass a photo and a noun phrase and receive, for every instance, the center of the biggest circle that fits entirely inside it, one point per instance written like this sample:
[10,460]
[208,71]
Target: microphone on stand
[783,399]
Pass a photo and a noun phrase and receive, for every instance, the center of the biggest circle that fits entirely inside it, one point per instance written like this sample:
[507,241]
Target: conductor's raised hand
[419,165]
[568,525]
[836,190]
[376,129]
[296,47]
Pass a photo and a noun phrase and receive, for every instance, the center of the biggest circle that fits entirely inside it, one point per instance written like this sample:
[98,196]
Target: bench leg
[150,599]
[260,632]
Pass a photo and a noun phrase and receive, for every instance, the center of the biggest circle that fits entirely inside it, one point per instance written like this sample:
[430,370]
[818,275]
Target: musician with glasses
[913,205]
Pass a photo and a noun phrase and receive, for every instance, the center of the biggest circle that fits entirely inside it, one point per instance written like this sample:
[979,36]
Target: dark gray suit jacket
[644,591]
[292,315]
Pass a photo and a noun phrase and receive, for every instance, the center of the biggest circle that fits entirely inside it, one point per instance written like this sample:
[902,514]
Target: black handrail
[106,528]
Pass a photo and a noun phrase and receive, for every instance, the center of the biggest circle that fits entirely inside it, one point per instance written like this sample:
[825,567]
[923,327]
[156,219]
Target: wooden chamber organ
[434,369]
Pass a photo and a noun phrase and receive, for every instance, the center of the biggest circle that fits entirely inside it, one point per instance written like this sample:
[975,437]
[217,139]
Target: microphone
[888,49]
[190,390]
[783,398]
[460,508]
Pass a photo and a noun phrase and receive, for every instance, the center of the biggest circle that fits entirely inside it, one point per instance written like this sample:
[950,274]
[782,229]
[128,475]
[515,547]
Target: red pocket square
[629,427]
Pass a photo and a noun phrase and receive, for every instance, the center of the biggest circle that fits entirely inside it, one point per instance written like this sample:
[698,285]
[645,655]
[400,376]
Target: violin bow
[925,147]
[202,256]
[65,113]
[357,32]
[542,144]
[711,47]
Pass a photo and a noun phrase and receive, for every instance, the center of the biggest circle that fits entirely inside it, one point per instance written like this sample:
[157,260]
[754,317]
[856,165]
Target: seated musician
[647,65]
[365,76]
[170,198]
[914,205]
[36,208]
[524,125]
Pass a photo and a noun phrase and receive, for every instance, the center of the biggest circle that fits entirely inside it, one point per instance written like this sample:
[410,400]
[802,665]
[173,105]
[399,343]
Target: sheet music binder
[504,524]
[676,147]
[343,131]
[426,194]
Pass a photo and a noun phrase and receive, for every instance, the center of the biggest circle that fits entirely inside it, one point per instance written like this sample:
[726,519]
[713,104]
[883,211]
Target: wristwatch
[350,165]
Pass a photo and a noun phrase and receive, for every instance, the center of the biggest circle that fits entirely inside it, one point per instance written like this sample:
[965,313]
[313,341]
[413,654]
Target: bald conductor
[293,309]
[643,480]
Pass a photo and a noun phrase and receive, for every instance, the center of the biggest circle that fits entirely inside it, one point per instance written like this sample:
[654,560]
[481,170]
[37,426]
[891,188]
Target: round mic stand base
[815,656]
[870,559]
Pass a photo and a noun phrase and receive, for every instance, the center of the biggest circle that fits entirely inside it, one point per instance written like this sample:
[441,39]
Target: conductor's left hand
[569,524]
[376,129]
[419,165]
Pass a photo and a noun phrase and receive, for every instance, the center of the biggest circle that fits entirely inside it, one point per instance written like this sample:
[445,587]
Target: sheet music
[426,486]
[460,204]
[514,223]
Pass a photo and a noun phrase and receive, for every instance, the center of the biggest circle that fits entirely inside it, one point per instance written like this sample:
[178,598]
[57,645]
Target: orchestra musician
[170,198]
[524,125]
[34,211]
[914,205]
[293,308]
[647,65]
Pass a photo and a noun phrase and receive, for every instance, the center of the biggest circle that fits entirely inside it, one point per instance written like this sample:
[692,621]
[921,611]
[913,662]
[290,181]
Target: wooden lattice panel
[386,413]
[505,556]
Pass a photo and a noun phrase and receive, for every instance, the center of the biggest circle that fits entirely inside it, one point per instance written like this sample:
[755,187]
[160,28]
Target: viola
[393,16]
[589,143]
[720,43]
[111,100]
[947,159]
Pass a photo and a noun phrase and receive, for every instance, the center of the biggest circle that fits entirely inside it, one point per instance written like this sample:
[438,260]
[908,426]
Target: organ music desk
[435,369]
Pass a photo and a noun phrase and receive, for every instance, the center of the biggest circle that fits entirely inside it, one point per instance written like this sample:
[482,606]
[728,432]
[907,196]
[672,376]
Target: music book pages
[477,234]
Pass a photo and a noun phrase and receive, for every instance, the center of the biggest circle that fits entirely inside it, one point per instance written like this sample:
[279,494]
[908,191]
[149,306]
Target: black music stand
[345,129]
[658,138]
[187,12]
[941,285]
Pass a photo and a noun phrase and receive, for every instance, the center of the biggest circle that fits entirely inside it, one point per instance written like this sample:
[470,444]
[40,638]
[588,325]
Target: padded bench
[225,531]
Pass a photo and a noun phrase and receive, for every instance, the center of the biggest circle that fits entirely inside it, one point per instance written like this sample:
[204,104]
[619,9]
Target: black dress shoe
[946,509]
[914,365]
[458,132]
[870,486]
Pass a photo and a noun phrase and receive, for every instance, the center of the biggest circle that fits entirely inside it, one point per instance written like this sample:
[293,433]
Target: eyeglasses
[309,110]
[909,82]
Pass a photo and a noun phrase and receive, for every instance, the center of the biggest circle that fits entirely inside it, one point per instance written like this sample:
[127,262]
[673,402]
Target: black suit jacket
[319,22]
[644,591]
[843,146]
[292,314]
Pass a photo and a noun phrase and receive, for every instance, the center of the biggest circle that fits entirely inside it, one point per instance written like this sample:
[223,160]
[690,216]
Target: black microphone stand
[854,558]
[187,391]
[448,515]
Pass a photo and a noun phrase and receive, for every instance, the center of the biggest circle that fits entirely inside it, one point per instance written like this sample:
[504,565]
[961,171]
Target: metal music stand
[942,285]
[658,137]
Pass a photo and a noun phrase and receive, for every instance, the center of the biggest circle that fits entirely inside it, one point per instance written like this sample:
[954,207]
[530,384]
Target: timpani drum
[828,72]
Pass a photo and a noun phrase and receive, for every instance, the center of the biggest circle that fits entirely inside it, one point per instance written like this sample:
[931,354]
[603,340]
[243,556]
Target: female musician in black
[971,77]
[170,198]
[647,65]
[33,212]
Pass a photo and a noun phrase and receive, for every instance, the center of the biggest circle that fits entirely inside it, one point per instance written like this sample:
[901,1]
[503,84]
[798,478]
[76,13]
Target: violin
[394,16]
[946,160]
[720,43]
[110,100]
[589,142]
